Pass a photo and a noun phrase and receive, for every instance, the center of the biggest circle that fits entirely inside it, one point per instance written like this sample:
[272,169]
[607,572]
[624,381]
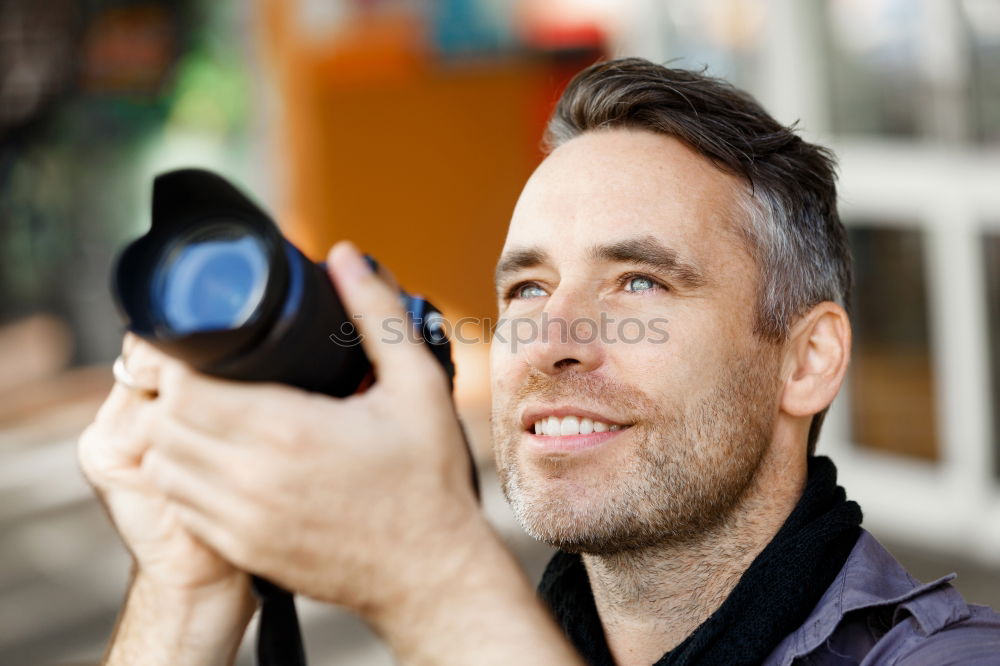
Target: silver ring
[125,378]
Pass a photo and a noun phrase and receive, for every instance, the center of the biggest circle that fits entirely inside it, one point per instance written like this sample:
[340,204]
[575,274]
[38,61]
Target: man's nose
[569,336]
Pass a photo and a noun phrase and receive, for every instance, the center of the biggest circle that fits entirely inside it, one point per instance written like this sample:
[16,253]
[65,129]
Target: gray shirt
[876,613]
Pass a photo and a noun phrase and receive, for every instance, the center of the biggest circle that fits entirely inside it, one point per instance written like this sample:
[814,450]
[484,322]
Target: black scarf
[773,597]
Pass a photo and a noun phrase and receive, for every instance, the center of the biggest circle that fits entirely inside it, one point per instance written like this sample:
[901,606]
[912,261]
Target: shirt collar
[871,577]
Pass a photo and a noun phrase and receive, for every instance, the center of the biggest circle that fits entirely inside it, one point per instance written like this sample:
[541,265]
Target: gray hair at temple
[792,229]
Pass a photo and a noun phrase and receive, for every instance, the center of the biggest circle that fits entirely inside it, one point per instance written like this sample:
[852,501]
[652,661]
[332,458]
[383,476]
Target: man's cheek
[651,367]
[630,331]
[657,331]
[502,357]
[507,371]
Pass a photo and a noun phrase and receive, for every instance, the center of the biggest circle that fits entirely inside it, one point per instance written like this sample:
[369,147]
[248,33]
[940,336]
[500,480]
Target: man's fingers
[231,410]
[115,445]
[215,534]
[191,487]
[376,310]
[205,403]
[111,449]
[143,363]
[128,343]
[214,514]
[188,446]
[117,403]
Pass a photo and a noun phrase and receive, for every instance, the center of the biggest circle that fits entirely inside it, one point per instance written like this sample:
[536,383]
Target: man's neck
[650,600]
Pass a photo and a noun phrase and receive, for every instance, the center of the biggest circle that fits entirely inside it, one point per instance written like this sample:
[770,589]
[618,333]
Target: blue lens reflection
[213,284]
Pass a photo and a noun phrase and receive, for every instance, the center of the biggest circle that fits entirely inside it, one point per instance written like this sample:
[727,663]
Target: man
[680,257]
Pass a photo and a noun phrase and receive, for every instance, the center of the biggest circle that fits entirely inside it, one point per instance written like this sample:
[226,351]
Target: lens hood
[183,200]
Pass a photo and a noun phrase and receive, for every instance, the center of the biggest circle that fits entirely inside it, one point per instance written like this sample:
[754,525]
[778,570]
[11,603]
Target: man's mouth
[561,431]
[567,421]
[554,426]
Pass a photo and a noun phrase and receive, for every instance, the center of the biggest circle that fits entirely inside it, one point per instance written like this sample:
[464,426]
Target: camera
[214,283]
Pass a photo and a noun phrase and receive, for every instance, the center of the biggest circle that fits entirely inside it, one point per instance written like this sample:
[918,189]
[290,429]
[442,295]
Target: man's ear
[816,358]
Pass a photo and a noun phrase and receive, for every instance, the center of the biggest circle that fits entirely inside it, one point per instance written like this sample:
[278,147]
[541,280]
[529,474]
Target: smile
[567,429]
[554,426]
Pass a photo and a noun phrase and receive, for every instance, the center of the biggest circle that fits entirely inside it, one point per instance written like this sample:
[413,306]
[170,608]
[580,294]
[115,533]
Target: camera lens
[212,279]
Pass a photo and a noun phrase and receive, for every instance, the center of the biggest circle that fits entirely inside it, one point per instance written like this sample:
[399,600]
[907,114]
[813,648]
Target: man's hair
[792,229]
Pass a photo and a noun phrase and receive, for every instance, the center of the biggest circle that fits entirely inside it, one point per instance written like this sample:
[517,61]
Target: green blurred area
[75,167]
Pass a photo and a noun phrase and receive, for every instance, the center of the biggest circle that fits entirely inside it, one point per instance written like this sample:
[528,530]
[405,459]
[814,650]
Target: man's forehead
[605,186]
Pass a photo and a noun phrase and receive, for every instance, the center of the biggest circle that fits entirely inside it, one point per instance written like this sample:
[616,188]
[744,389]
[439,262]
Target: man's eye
[526,290]
[639,283]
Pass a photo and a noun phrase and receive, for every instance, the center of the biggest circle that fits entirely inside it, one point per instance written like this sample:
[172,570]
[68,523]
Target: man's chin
[590,517]
[570,521]
[589,541]
[569,540]
[577,503]
[601,541]
[582,544]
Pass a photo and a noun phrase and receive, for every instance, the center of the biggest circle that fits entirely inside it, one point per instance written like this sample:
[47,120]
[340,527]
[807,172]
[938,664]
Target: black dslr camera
[214,283]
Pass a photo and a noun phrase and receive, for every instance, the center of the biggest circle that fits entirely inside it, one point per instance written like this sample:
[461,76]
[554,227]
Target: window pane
[991,245]
[873,56]
[891,379]
[722,35]
[981,23]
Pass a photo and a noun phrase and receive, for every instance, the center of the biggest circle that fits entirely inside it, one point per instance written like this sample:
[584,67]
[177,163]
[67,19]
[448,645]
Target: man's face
[652,400]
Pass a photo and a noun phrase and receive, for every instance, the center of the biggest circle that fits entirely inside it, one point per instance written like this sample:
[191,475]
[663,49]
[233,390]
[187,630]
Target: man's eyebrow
[648,251]
[517,259]
[644,251]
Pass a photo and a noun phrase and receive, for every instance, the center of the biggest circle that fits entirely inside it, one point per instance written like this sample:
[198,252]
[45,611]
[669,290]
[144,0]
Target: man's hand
[341,500]
[186,604]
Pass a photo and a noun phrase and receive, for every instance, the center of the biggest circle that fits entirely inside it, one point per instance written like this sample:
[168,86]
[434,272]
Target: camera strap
[279,639]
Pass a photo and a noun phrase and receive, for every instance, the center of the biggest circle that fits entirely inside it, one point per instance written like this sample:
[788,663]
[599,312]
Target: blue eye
[639,283]
[528,291]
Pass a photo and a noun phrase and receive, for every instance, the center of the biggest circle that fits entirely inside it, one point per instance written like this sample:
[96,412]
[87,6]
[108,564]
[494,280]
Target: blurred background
[410,127]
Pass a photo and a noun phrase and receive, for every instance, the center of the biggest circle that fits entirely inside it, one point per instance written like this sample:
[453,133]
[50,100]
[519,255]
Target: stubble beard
[690,465]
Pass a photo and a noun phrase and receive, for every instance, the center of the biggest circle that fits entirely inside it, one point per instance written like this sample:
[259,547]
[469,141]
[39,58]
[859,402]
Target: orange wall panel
[417,161]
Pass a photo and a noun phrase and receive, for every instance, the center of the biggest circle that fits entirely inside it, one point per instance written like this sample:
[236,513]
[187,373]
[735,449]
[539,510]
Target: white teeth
[571,425]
